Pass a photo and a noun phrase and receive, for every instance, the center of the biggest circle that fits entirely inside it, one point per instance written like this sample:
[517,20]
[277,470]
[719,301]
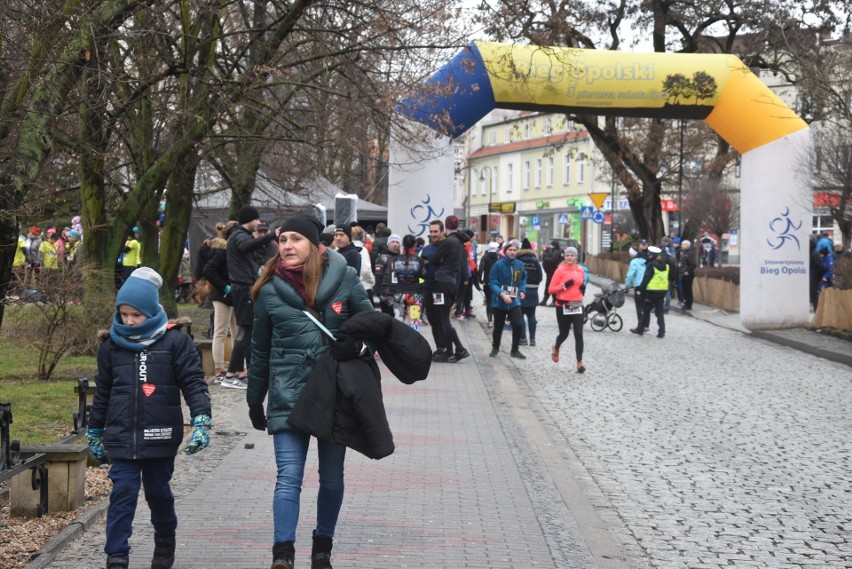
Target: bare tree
[638,156]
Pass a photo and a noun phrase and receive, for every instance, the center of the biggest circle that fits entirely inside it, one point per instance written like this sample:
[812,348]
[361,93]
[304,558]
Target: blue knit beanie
[140,291]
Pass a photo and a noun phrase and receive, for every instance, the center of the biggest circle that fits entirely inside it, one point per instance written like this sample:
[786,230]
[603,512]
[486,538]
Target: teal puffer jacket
[286,344]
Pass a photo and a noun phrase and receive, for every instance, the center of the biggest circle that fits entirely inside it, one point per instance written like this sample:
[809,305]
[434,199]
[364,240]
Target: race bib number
[511,291]
[569,309]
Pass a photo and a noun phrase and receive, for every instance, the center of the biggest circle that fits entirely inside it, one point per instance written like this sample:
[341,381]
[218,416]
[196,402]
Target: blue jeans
[291,450]
[127,476]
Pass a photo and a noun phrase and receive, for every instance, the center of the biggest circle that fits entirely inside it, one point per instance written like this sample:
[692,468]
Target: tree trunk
[179,207]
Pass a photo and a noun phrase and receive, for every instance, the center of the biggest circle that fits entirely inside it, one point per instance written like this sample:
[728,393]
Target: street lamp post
[488,211]
[612,214]
[680,185]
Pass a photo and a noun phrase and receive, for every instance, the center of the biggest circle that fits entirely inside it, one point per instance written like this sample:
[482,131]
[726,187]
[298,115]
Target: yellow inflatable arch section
[719,89]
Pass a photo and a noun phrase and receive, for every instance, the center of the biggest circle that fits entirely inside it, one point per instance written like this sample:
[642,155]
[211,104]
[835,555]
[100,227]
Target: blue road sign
[599,216]
[562,219]
[587,211]
[535,221]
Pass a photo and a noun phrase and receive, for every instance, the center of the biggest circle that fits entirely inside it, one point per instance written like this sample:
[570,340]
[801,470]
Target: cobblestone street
[712,448]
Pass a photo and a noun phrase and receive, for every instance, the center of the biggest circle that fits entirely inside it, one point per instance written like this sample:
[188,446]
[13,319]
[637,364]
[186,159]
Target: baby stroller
[603,311]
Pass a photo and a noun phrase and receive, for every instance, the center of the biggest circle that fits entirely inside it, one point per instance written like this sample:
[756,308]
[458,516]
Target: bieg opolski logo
[782,226]
[423,213]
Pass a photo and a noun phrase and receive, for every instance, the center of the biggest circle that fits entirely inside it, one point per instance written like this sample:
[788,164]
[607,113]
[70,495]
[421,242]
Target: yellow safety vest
[660,279]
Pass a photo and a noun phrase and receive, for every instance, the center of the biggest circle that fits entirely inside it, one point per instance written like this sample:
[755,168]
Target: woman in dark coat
[302,283]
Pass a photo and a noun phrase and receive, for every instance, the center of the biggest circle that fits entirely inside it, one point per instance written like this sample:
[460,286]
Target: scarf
[295,275]
[140,337]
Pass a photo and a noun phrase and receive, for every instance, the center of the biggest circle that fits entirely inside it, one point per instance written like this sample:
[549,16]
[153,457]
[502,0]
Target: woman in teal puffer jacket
[508,282]
[302,277]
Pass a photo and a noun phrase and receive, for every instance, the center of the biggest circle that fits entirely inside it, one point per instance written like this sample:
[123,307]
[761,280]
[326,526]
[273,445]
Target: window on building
[494,180]
[527,130]
[581,168]
[483,181]
[507,134]
[823,223]
[547,126]
[566,167]
[492,137]
[550,171]
[509,178]
[538,172]
[526,180]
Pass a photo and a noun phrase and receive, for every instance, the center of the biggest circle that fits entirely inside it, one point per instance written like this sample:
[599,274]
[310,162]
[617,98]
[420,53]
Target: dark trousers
[154,474]
[566,322]
[515,319]
[528,314]
[244,314]
[489,294]
[547,286]
[686,283]
[654,301]
[640,307]
[439,318]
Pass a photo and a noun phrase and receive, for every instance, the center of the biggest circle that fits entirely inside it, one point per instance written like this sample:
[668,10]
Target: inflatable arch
[720,89]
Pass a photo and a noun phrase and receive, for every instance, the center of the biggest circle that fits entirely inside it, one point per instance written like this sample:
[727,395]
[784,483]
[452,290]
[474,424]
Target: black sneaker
[494,352]
[637,331]
[580,367]
[661,335]
[532,342]
[460,354]
[523,342]
[117,562]
[440,356]
[517,355]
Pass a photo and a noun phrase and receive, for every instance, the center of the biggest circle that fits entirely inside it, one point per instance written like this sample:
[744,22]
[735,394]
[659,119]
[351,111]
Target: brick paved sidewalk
[450,496]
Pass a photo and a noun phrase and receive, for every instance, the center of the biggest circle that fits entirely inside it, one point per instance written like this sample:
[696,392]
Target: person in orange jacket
[568,286]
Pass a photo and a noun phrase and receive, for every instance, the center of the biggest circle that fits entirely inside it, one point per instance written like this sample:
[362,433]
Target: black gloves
[567,283]
[258,418]
[345,347]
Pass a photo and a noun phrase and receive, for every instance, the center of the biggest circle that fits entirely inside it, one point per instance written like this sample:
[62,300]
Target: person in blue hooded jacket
[508,282]
[143,368]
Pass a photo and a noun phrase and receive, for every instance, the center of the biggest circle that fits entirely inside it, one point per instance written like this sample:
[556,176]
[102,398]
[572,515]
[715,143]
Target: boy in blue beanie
[136,418]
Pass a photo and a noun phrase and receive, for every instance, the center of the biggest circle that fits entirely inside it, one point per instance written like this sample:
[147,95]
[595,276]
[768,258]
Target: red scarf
[295,275]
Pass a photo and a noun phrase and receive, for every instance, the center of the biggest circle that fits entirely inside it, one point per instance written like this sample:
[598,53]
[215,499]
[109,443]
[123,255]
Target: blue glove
[227,289]
[200,437]
[96,443]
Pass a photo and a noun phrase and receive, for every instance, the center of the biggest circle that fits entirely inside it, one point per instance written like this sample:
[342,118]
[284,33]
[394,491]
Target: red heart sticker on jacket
[337,306]
[148,389]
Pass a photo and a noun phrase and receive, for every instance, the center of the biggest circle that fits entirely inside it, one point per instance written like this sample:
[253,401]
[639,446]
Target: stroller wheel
[598,322]
[615,323]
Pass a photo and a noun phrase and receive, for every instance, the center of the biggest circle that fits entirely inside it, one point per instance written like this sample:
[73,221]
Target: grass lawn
[42,411]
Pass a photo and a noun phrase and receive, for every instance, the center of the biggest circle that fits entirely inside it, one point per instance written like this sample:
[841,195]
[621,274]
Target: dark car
[563,243]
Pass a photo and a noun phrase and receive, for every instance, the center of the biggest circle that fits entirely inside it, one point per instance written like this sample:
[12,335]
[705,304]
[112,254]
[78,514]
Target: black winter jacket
[448,259]
[245,255]
[342,400]
[216,272]
[138,396]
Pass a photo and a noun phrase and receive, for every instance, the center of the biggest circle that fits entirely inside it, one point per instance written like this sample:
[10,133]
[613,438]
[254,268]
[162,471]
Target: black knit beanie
[247,214]
[304,224]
